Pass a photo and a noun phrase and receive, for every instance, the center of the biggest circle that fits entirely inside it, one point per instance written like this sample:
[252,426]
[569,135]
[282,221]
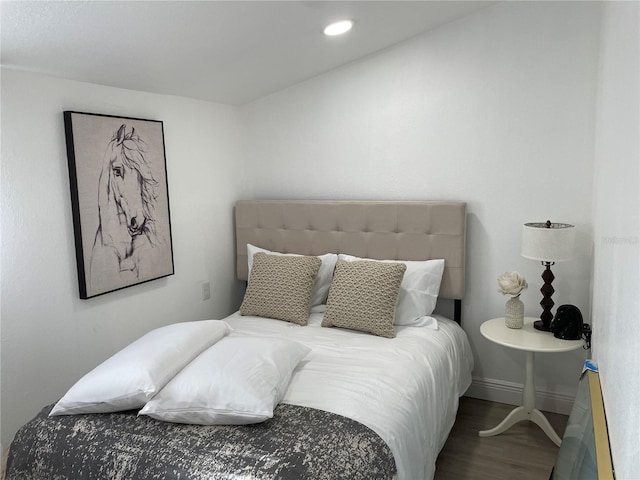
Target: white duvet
[406,389]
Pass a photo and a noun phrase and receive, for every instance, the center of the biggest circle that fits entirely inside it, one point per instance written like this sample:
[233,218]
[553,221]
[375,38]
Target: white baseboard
[511,394]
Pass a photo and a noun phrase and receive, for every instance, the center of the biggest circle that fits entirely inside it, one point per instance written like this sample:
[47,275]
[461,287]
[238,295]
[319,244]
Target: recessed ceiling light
[338,28]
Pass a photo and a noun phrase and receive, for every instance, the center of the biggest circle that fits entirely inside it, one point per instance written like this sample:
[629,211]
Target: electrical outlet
[206,291]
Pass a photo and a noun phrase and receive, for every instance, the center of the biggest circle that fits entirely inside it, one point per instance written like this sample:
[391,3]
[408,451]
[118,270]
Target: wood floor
[523,452]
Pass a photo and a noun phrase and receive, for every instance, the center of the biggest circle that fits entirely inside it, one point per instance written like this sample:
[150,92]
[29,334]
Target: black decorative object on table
[568,325]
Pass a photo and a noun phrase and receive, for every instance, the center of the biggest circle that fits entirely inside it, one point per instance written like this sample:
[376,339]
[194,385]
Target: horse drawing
[126,201]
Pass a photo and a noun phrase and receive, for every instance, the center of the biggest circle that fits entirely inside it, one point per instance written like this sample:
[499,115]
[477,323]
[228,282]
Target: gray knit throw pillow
[280,287]
[363,296]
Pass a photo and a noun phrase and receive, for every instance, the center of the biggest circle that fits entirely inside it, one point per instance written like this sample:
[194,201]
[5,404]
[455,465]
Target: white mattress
[406,389]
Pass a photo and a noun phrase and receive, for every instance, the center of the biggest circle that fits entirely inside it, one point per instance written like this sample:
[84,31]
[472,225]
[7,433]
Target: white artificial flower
[511,283]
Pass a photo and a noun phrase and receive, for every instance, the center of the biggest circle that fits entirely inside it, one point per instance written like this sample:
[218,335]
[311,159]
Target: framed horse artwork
[119,200]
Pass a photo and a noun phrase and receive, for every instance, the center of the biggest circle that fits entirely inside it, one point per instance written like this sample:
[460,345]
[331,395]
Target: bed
[357,405]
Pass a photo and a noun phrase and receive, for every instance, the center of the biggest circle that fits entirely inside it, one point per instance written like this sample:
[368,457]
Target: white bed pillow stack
[238,381]
[418,291]
[136,373]
[320,289]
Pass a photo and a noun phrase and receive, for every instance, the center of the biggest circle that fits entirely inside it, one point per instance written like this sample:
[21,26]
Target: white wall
[496,109]
[616,299]
[49,336]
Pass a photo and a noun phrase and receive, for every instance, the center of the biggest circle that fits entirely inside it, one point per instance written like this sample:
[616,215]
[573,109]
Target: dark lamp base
[539,325]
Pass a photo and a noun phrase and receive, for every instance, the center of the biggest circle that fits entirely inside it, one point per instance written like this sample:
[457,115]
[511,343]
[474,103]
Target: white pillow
[418,291]
[128,379]
[323,279]
[237,381]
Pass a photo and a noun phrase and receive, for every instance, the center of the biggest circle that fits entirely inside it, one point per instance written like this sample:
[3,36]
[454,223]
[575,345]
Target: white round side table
[531,341]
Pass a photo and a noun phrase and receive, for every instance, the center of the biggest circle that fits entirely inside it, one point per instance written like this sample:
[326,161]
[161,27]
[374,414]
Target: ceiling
[229,52]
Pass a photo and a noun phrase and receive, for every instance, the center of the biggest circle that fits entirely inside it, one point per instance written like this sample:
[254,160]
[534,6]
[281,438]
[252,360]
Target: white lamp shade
[548,244]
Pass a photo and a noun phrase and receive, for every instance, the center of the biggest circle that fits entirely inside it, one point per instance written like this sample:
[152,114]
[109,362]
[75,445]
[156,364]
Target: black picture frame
[119,201]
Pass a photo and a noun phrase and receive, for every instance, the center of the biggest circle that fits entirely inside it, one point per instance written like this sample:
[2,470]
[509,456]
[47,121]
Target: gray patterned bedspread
[297,443]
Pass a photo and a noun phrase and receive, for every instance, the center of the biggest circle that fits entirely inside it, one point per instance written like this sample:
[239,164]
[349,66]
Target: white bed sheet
[406,389]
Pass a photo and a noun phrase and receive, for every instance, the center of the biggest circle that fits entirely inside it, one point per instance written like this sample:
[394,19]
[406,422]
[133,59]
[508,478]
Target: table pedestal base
[527,411]
[519,414]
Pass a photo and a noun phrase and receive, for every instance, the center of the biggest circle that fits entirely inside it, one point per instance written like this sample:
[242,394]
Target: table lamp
[549,243]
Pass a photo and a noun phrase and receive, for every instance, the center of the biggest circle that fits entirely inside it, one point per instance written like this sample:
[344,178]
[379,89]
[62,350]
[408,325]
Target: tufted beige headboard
[380,230]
